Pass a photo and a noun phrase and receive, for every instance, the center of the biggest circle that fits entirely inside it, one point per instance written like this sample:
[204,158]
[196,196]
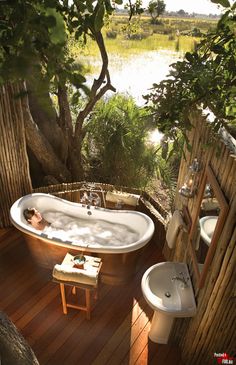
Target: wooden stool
[85,279]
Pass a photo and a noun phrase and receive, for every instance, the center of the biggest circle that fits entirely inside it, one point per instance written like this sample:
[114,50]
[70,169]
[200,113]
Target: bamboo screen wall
[213,329]
[14,171]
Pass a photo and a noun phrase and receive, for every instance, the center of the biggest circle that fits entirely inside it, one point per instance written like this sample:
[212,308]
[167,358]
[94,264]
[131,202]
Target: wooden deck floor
[116,334]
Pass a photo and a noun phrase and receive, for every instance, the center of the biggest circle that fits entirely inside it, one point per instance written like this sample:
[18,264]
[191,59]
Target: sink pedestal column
[160,327]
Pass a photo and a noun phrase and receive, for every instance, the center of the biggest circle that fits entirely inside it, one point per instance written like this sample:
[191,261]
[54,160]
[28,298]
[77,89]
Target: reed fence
[212,330]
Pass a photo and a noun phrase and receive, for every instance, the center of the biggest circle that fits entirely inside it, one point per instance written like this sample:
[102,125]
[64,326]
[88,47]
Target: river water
[135,75]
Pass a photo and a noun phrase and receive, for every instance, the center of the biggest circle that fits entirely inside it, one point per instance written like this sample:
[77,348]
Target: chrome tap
[90,199]
[181,278]
[95,199]
[92,194]
[84,198]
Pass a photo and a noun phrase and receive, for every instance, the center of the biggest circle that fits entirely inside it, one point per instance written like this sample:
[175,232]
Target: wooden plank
[148,353]
[65,345]
[138,340]
[33,303]
[42,322]
[110,346]
[166,354]
[107,316]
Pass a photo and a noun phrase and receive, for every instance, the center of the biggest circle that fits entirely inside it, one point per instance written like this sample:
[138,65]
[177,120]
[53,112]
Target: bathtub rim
[69,244]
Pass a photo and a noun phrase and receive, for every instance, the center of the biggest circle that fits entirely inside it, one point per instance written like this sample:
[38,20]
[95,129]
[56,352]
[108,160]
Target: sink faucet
[181,278]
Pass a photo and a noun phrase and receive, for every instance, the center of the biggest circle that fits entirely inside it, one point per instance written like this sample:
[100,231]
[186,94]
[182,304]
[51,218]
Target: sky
[190,6]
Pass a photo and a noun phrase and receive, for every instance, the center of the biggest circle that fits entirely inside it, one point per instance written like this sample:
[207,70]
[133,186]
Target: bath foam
[105,233]
[81,231]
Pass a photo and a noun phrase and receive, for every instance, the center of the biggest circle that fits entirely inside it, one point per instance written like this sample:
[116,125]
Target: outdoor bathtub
[48,247]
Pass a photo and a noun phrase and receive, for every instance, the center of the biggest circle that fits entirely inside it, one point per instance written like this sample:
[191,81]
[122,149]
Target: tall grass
[125,48]
[153,37]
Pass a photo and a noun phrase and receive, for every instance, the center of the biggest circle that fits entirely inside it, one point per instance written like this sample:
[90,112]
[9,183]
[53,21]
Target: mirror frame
[224,207]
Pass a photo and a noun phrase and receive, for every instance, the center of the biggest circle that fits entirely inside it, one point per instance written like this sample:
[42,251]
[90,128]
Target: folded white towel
[69,273]
[174,226]
[210,204]
[126,198]
[197,236]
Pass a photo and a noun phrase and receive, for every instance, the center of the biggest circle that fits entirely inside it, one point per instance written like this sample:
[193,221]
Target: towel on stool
[174,226]
[68,273]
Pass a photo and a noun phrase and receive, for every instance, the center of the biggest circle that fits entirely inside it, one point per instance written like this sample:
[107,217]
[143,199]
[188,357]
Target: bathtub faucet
[95,199]
[181,278]
[91,198]
[84,198]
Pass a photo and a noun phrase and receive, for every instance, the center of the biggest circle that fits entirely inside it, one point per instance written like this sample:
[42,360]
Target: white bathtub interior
[87,220]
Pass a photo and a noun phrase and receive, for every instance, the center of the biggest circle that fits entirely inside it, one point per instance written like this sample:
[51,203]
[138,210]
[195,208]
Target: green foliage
[116,148]
[125,46]
[57,31]
[111,34]
[168,159]
[224,3]
[29,32]
[156,8]
[196,32]
[205,77]
[138,36]
[134,8]
[33,37]
[166,174]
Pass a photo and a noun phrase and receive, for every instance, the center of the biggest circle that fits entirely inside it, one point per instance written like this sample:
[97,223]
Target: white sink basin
[207,227]
[168,295]
[168,290]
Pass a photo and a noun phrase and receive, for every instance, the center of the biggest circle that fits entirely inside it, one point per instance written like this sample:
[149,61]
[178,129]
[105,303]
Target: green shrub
[196,32]
[138,36]
[167,31]
[111,34]
[171,37]
[115,144]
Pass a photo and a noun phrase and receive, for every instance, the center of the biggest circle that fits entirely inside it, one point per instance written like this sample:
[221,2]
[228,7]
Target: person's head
[32,216]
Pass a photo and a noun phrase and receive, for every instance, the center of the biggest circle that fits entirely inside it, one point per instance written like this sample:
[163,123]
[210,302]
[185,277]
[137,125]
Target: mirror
[208,222]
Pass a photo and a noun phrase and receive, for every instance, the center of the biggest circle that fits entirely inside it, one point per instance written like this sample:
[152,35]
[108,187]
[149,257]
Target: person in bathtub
[34,217]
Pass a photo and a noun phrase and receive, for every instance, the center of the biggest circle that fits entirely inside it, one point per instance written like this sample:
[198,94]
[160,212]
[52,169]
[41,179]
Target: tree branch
[96,91]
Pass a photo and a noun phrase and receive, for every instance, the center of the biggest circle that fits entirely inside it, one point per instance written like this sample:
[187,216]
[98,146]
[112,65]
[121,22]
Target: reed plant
[127,48]
[170,34]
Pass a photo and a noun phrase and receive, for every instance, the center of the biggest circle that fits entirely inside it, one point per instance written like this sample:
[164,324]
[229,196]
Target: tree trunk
[14,350]
[52,139]
[41,148]
[75,154]
[45,116]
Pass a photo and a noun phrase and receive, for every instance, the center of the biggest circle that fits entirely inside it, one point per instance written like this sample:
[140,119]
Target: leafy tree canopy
[156,8]
[33,35]
[33,47]
[205,77]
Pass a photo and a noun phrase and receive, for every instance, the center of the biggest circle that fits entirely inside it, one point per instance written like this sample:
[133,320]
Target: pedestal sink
[207,227]
[168,290]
